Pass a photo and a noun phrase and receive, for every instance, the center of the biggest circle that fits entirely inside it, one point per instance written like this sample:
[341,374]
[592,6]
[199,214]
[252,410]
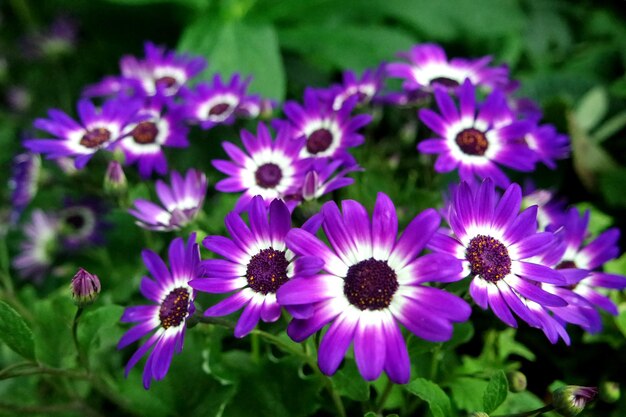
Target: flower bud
[570,400]
[85,287]
[517,381]
[609,391]
[115,179]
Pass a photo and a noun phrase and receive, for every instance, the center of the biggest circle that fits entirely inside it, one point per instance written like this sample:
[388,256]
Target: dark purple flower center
[267,271]
[319,140]
[370,284]
[95,137]
[145,132]
[566,265]
[472,141]
[268,175]
[445,82]
[174,308]
[166,81]
[489,258]
[219,109]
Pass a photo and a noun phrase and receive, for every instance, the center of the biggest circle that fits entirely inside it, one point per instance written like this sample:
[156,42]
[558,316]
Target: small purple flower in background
[578,255]
[550,208]
[145,140]
[496,244]
[257,264]
[98,129]
[372,282]
[39,247]
[323,177]
[468,140]
[19,99]
[548,144]
[328,133]
[271,169]
[212,104]
[161,72]
[363,89]
[429,67]
[167,317]
[181,200]
[58,39]
[23,182]
[85,287]
[115,182]
[82,224]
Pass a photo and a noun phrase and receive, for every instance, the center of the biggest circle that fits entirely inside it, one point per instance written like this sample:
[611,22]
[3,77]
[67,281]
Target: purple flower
[271,168]
[257,264]
[326,176]
[363,89]
[496,244]
[548,144]
[219,103]
[474,140]
[550,207]
[571,400]
[328,133]
[98,129]
[370,283]
[23,182]
[181,202]
[173,304]
[145,141]
[85,287]
[581,262]
[81,223]
[39,247]
[162,71]
[429,67]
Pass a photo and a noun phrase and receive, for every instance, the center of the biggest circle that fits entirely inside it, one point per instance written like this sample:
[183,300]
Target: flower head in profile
[172,304]
[327,132]
[161,127]
[257,263]
[218,103]
[23,182]
[472,139]
[371,282]
[39,247]
[325,176]
[271,168]
[571,400]
[161,72]
[181,200]
[497,244]
[428,67]
[363,89]
[99,128]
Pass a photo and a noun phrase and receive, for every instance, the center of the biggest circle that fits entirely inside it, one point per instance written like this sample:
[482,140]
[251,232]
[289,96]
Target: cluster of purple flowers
[368,282]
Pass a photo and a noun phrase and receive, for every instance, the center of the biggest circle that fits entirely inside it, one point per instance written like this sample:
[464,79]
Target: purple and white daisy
[39,247]
[474,140]
[363,89]
[328,133]
[370,283]
[550,207]
[257,264]
[145,140]
[548,144]
[429,67]
[271,168]
[496,244]
[161,72]
[81,223]
[99,128]
[173,304]
[220,103]
[580,254]
[323,177]
[181,200]
[23,182]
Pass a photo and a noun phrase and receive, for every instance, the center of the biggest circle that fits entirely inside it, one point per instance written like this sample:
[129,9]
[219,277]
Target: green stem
[255,347]
[434,363]
[15,366]
[82,360]
[531,413]
[43,370]
[383,398]
[341,412]
[76,406]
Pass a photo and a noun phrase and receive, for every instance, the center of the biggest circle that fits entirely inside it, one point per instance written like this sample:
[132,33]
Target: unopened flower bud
[570,400]
[115,179]
[517,381]
[85,287]
[609,391]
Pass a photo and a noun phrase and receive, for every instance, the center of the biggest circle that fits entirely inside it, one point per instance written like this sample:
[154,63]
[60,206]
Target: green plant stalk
[531,413]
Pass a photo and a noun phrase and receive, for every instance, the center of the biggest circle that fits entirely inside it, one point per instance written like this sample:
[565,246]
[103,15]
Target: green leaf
[592,108]
[99,330]
[467,393]
[508,345]
[347,46]
[463,333]
[610,127]
[15,332]
[612,186]
[620,320]
[430,392]
[238,47]
[496,391]
[53,329]
[349,382]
